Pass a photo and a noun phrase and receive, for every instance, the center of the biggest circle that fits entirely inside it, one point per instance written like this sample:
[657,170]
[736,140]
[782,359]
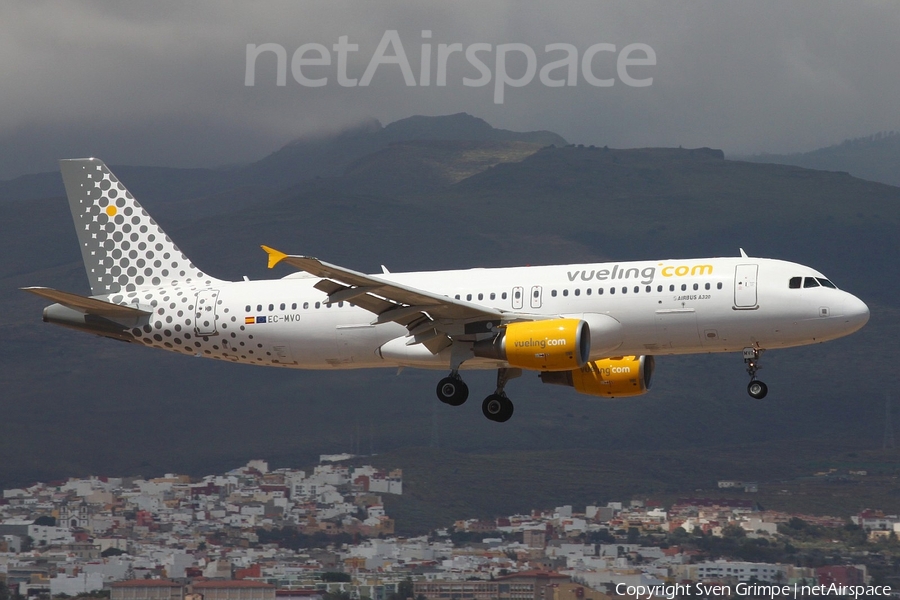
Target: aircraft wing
[420,311]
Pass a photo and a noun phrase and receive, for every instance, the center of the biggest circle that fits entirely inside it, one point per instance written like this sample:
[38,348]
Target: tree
[112,552]
[634,535]
[47,520]
[404,590]
[733,531]
[4,591]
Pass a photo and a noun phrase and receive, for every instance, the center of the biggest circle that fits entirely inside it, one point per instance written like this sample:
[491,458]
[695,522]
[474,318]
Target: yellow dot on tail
[111,210]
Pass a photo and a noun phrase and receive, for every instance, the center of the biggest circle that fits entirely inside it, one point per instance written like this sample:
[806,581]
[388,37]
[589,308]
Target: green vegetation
[290,537]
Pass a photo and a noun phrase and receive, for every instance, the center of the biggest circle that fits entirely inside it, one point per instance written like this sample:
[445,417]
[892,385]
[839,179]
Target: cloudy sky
[165,83]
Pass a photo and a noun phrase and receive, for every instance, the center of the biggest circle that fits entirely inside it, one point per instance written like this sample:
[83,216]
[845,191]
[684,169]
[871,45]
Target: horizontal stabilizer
[86,305]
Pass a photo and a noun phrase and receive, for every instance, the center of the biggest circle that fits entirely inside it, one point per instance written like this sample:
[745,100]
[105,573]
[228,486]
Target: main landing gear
[756,388]
[497,407]
[452,390]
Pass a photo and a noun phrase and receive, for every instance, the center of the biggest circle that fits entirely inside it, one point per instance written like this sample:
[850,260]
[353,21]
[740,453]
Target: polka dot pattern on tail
[122,246]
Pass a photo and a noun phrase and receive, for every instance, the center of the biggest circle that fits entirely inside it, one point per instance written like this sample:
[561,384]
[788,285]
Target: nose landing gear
[756,388]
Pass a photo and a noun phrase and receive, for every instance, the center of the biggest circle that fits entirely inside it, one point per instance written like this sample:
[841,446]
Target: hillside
[875,158]
[75,404]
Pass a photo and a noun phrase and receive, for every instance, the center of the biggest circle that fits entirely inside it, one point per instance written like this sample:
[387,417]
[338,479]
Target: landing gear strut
[452,390]
[756,388]
[497,407]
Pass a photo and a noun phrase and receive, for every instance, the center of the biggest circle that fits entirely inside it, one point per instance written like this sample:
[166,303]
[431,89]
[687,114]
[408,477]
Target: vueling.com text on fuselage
[645,274]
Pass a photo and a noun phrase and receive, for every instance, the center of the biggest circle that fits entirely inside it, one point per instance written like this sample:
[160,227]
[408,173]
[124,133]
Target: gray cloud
[163,83]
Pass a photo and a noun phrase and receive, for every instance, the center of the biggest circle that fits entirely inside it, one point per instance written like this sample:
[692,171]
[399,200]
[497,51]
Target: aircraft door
[518,294]
[536,296]
[205,317]
[745,287]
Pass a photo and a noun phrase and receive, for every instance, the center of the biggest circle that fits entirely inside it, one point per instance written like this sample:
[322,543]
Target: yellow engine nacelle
[553,345]
[610,377]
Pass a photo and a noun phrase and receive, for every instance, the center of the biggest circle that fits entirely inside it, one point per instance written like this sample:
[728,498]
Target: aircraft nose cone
[856,312]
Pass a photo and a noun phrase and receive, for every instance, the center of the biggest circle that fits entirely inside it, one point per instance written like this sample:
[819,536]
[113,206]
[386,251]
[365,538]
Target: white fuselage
[663,307]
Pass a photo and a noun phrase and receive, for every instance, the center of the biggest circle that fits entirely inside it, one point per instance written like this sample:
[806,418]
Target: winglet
[275,256]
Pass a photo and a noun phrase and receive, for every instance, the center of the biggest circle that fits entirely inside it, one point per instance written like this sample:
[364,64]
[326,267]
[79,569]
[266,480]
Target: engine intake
[552,345]
[617,377]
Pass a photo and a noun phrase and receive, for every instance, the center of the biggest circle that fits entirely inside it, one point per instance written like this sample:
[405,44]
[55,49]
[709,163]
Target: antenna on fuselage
[743,254]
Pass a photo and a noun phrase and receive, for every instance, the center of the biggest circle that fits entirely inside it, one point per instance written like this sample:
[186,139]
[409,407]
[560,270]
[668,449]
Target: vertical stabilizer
[122,246]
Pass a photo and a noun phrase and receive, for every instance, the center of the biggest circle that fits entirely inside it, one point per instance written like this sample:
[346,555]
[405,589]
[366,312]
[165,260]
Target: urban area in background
[260,534]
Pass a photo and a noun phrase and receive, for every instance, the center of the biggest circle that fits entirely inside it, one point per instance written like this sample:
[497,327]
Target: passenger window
[503,296]
[457,296]
[671,288]
[493,295]
[577,291]
[696,286]
[826,283]
[565,292]
[683,287]
[468,296]
[624,290]
[612,290]
[305,305]
[810,282]
[719,286]
[553,293]
[649,289]
[795,282]
[294,306]
[599,291]
[659,288]
[271,307]
[637,289]
[588,291]
[282,306]
[318,304]
[247,308]
[518,294]
[259,308]
[481,296]
[706,286]
[535,293]
[340,305]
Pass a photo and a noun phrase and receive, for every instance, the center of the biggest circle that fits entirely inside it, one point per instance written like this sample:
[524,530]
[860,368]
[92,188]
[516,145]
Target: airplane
[594,327]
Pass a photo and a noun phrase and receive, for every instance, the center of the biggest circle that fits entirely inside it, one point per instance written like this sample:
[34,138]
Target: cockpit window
[826,283]
[795,282]
[810,282]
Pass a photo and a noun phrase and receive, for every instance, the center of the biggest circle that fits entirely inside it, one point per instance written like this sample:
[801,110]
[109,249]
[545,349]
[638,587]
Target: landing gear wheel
[757,389]
[452,390]
[497,408]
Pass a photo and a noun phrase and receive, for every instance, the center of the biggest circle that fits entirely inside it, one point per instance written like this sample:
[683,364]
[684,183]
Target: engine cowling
[552,345]
[617,377]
